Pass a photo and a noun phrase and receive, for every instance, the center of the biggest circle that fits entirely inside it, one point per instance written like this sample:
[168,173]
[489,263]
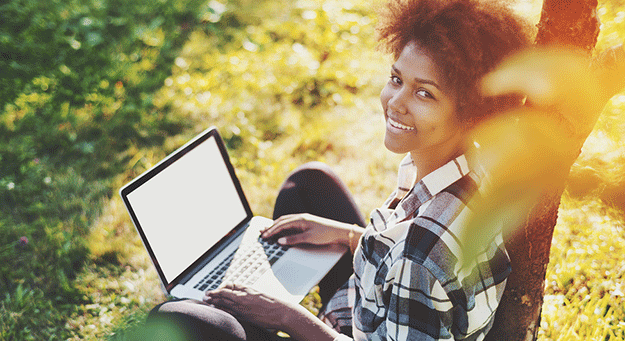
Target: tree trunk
[570,23]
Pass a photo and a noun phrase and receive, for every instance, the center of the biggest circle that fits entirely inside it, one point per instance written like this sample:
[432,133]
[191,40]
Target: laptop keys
[251,262]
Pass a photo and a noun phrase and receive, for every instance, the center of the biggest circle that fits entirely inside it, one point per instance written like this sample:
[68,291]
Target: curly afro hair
[466,38]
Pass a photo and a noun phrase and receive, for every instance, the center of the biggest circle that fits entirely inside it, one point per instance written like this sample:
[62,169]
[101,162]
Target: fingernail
[282,240]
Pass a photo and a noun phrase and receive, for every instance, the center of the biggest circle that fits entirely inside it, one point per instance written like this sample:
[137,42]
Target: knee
[314,170]
[314,166]
[165,327]
[188,320]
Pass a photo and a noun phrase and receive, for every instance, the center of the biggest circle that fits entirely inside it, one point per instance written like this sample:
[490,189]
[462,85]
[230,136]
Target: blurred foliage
[583,285]
[612,19]
[600,169]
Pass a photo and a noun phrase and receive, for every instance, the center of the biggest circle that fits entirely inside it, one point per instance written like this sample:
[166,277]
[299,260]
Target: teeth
[399,125]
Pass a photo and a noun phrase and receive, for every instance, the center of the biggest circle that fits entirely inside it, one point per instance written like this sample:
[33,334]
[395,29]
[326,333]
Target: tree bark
[570,23]
[574,24]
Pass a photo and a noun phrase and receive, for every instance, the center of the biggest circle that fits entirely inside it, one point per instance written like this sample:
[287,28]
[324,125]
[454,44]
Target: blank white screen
[188,207]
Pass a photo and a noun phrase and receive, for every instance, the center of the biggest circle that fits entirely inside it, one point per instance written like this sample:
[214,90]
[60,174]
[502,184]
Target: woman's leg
[314,188]
[193,320]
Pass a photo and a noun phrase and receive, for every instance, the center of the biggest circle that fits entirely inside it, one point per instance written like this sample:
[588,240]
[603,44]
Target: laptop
[199,230]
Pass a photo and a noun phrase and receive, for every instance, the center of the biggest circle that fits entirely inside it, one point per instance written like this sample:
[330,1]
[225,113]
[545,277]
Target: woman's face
[420,112]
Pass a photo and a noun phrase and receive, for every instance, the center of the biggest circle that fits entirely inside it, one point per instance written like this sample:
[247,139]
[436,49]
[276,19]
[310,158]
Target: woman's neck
[426,163]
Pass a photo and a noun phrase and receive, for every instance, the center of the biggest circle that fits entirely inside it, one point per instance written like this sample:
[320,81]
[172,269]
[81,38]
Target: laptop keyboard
[252,260]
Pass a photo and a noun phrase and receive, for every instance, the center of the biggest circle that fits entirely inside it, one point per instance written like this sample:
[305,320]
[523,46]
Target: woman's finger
[224,291]
[276,226]
[220,301]
[236,289]
[227,296]
[284,225]
[294,239]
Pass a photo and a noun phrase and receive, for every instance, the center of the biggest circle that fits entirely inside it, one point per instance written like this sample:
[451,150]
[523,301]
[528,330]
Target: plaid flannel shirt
[410,280]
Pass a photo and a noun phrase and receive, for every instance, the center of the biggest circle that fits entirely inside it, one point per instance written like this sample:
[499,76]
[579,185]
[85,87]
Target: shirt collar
[430,185]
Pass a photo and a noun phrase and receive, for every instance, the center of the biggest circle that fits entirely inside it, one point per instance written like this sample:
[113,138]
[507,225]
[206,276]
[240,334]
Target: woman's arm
[270,312]
[310,229]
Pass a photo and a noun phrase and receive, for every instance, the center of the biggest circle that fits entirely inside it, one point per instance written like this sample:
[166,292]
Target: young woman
[410,280]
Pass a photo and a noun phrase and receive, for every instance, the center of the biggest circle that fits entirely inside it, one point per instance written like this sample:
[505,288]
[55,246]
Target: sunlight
[289,82]
[530,9]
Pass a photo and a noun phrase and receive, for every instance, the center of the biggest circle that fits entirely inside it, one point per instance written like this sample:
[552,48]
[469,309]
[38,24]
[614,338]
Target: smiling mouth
[398,125]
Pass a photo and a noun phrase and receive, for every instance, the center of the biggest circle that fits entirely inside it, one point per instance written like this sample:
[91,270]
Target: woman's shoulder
[448,210]
[439,232]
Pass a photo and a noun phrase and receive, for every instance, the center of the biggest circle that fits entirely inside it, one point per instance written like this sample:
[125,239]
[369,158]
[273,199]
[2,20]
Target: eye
[395,80]
[424,93]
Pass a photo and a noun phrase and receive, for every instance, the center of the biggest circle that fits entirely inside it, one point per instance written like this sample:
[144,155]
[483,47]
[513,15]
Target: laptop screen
[187,206]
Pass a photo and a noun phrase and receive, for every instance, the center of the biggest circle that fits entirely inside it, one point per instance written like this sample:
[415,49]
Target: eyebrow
[421,80]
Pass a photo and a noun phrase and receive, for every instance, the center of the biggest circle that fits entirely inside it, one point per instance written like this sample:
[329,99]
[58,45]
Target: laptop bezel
[162,165]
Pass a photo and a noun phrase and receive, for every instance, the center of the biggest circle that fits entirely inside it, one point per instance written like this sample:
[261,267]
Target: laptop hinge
[187,275]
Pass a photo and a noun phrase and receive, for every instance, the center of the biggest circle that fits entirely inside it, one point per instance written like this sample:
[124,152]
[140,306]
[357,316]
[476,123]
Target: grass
[289,82]
[584,298]
[269,134]
[348,137]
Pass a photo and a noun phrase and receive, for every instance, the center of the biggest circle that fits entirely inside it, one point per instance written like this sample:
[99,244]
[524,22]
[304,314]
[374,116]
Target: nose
[397,101]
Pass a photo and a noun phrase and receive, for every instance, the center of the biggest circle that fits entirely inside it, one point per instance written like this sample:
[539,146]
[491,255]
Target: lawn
[286,82]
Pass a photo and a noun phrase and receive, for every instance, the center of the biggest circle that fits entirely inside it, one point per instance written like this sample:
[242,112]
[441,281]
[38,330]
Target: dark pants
[312,188]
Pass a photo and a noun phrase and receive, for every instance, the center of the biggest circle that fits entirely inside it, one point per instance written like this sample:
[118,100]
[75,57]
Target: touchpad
[295,277]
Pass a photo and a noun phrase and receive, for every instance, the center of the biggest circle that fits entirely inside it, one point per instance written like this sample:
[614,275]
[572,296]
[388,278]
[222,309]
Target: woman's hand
[306,228]
[250,305]
[269,312]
